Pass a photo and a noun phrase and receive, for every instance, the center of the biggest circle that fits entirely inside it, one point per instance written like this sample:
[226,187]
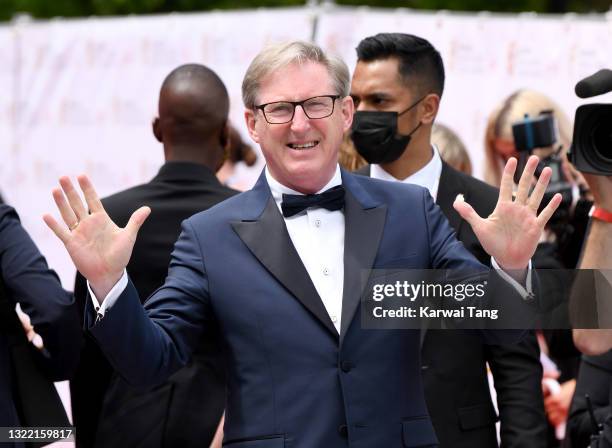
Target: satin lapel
[267,238]
[363,232]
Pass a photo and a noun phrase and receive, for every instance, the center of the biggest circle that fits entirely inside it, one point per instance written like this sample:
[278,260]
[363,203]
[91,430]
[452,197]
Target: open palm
[98,248]
[512,232]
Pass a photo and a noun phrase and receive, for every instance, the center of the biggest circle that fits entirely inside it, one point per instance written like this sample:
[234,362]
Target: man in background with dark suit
[185,410]
[396,87]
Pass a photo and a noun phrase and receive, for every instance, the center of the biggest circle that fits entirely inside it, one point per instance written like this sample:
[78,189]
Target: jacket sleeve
[147,344]
[517,373]
[31,283]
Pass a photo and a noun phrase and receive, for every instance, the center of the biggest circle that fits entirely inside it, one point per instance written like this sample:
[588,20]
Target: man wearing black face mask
[396,87]
[185,410]
[376,136]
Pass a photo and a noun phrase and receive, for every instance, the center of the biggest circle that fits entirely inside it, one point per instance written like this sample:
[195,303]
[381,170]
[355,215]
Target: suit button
[346,366]
[424,367]
[343,431]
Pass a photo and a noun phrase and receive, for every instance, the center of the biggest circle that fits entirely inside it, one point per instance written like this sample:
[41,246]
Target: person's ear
[157,130]
[429,108]
[251,121]
[348,110]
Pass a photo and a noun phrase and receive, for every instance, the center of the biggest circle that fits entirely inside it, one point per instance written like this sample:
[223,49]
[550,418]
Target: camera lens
[592,143]
[601,137]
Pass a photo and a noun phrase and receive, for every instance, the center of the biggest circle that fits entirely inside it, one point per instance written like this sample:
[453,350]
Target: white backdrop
[80,95]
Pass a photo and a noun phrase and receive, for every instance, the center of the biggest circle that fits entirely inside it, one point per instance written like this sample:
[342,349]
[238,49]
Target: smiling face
[303,153]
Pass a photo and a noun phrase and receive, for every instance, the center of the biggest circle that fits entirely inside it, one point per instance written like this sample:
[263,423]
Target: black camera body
[542,132]
[591,150]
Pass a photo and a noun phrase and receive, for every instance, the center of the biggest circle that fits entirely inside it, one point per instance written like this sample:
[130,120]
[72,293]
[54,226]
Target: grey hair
[277,56]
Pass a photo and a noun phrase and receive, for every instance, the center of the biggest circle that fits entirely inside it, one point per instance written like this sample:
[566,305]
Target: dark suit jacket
[186,410]
[52,310]
[454,362]
[293,380]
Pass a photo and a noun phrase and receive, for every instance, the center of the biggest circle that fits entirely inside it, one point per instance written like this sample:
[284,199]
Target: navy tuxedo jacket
[293,381]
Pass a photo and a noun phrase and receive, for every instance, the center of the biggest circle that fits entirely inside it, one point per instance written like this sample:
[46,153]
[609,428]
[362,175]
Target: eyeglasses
[281,112]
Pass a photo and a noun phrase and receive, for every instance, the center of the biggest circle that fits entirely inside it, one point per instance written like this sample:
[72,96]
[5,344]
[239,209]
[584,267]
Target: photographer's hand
[596,255]
[575,177]
[601,189]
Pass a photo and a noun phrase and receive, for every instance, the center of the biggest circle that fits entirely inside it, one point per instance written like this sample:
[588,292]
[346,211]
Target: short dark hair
[419,61]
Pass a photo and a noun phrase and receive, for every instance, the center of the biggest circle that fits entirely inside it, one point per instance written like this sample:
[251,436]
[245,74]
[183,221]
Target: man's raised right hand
[99,249]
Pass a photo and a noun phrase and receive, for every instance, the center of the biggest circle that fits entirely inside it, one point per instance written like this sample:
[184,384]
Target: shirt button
[325,271]
[334,319]
[317,222]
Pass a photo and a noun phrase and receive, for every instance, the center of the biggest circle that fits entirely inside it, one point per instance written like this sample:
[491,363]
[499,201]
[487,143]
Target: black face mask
[375,136]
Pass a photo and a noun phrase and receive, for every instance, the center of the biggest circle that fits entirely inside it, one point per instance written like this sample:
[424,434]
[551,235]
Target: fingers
[91,197]
[466,211]
[539,190]
[64,208]
[73,199]
[526,180]
[60,231]
[548,211]
[507,182]
[137,219]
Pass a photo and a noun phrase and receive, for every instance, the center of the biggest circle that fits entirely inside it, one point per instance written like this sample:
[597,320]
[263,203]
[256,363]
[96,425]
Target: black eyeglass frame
[301,104]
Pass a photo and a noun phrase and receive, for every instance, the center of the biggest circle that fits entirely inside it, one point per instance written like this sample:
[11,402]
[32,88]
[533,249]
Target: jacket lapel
[364,224]
[449,187]
[267,238]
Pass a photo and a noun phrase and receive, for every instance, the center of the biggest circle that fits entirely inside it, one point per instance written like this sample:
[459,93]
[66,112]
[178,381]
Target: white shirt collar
[428,176]
[279,189]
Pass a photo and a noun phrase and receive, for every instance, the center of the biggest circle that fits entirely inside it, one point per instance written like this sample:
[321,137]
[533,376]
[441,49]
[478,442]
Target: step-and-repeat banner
[79,96]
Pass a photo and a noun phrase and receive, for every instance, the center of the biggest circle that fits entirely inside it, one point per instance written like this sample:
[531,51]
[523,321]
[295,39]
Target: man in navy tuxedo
[276,271]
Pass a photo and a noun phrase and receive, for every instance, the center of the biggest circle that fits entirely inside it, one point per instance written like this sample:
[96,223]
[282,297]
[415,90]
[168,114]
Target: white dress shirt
[318,237]
[428,176]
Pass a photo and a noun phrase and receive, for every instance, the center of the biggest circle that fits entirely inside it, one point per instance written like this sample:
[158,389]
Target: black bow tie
[332,199]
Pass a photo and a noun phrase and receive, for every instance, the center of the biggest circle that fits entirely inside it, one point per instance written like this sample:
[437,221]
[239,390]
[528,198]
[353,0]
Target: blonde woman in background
[451,148]
[499,142]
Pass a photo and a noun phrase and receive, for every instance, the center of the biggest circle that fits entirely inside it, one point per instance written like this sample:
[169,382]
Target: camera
[592,142]
[591,150]
[538,132]
[542,132]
